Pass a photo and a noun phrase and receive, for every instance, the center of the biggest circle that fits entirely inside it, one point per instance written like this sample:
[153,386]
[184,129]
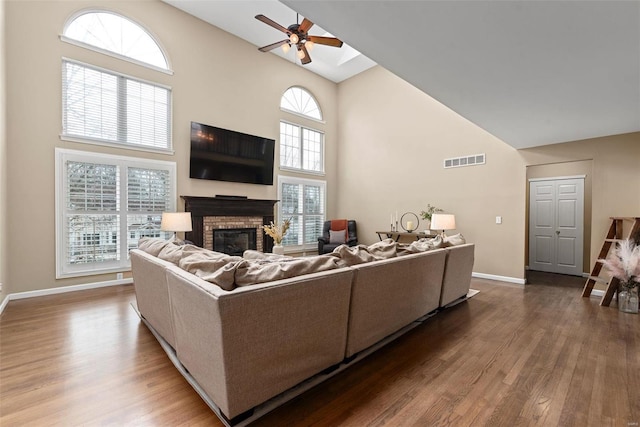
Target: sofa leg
[238,418]
[330,369]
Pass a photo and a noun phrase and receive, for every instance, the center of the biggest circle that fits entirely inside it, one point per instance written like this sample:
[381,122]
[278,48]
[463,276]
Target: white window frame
[301,128]
[301,181]
[300,112]
[61,157]
[112,53]
[121,142]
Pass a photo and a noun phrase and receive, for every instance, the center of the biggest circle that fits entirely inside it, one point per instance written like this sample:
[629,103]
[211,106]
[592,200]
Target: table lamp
[443,222]
[176,221]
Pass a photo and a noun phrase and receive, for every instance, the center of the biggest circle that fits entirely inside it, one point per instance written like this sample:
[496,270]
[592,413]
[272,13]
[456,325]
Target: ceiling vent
[456,162]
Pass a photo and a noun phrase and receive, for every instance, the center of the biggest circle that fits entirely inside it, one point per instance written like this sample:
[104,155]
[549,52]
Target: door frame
[528,210]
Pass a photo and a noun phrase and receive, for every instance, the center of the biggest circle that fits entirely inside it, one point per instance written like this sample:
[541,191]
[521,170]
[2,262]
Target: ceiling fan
[297,36]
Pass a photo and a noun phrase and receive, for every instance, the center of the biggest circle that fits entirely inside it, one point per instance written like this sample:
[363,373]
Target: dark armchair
[335,233]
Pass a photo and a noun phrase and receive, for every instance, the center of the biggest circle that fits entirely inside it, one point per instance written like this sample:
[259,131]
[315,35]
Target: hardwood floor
[510,356]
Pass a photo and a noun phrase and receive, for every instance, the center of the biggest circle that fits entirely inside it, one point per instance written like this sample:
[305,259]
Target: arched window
[116,34]
[299,101]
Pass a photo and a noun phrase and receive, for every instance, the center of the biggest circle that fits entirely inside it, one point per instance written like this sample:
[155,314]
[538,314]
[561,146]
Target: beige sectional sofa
[243,346]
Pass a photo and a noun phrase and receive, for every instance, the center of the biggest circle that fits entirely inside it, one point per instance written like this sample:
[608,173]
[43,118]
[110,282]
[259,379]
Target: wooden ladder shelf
[613,236]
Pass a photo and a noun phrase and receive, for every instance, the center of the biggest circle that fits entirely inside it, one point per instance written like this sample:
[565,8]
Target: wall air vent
[456,162]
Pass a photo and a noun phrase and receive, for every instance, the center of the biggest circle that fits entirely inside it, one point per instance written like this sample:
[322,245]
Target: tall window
[104,204]
[104,106]
[301,148]
[303,201]
[117,35]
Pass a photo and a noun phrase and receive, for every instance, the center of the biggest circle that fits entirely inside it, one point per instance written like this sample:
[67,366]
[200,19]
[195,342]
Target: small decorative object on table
[410,225]
[624,264]
[427,213]
[277,233]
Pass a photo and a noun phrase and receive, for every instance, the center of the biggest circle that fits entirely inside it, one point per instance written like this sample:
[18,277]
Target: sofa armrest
[152,293]
[457,273]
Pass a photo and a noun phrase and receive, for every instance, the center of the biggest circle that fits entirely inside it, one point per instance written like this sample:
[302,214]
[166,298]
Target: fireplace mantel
[201,207]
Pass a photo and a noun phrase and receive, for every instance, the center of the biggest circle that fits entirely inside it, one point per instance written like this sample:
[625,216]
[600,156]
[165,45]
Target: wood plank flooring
[510,356]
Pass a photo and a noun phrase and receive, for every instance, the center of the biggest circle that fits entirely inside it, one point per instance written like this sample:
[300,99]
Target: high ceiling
[238,18]
[530,72]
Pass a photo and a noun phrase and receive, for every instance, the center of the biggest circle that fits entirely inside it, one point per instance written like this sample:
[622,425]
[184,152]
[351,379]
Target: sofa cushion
[337,237]
[152,245]
[204,264]
[353,255]
[174,253]
[455,240]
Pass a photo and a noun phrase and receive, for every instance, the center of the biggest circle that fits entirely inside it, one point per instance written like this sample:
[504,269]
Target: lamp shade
[176,221]
[443,222]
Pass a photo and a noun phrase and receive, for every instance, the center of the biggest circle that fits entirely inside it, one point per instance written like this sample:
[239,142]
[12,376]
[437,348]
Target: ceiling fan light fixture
[309,45]
[294,38]
[300,53]
[286,47]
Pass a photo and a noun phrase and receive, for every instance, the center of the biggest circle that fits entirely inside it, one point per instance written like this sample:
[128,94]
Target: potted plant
[427,213]
[624,264]
[277,233]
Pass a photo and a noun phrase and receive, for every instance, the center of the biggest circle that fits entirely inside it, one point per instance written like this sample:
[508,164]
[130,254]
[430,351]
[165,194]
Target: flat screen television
[225,155]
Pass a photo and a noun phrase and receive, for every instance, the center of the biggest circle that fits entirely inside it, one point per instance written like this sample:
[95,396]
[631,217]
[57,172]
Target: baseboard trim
[499,278]
[597,293]
[63,289]
[5,301]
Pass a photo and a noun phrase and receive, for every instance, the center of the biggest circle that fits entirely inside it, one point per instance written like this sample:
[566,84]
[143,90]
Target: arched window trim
[296,113]
[111,53]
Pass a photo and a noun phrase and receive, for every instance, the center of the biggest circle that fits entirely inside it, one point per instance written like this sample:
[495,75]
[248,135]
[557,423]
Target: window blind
[105,106]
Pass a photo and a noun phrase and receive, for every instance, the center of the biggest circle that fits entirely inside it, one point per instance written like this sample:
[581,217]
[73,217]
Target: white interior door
[556,225]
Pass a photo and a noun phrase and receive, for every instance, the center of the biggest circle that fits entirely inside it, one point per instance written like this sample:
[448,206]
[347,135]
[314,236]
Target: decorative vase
[278,249]
[628,299]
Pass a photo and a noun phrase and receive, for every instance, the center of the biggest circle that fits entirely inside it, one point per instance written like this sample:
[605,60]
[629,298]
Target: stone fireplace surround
[209,213]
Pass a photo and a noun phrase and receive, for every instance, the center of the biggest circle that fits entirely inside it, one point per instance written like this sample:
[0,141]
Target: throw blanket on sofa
[352,255]
[251,272]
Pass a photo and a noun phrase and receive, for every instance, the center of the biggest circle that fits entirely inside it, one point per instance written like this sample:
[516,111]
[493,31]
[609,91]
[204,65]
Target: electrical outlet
[0,287]
[498,220]
[119,276]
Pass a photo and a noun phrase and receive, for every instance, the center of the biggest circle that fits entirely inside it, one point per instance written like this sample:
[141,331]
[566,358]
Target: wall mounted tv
[225,155]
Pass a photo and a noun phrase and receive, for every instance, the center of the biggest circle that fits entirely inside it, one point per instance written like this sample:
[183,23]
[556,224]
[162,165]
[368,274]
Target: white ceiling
[530,72]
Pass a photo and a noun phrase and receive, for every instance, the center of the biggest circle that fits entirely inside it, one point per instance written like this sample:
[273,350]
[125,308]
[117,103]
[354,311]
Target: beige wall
[3,161]
[615,184]
[218,79]
[393,139]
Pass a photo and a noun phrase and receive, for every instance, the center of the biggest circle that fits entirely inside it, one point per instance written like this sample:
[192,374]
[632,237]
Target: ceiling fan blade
[272,23]
[306,58]
[329,41]
[272,46]
[306,24]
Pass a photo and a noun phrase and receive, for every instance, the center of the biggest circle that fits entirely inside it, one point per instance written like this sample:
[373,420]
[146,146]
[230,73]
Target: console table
[397,234]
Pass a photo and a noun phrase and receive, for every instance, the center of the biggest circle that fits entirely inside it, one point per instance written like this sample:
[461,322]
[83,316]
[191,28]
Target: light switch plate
[498,220]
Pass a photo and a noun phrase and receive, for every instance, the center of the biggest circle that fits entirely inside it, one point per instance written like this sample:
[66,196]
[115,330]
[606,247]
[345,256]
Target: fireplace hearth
[234,241]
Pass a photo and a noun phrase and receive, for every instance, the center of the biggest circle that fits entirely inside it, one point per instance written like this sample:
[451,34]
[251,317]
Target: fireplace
[210,214]
[234,241]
